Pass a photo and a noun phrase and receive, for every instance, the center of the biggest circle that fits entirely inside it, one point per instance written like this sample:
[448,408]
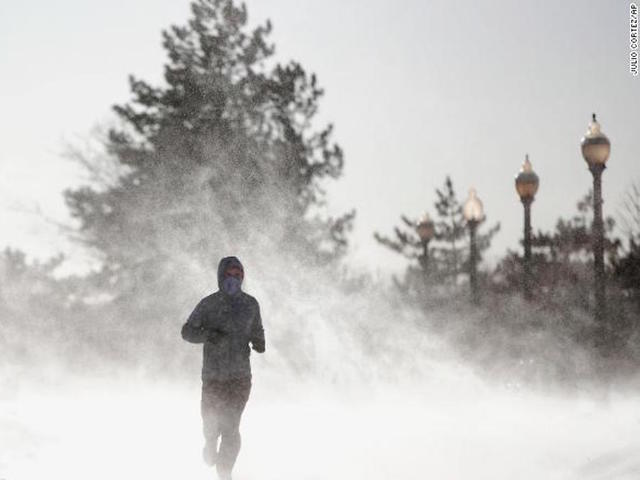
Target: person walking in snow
[226,322]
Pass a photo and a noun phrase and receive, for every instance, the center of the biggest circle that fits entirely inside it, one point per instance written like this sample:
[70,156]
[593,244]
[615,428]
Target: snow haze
[453,428]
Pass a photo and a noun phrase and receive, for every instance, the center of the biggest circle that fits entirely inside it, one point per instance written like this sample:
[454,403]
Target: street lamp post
[473,213]
[595,150]
[426,231]
[527,185]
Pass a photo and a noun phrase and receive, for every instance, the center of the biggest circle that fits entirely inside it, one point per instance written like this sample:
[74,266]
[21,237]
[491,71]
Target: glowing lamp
[595,145]
[425,228]
[473,210]
[527,181]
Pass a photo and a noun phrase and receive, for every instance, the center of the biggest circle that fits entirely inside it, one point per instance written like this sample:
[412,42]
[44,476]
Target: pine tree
[450,230]
[449,255]
[224,155]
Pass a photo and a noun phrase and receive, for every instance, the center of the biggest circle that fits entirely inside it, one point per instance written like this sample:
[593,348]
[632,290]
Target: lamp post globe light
[595,150]
[527,183]
[426,230]
[473,212]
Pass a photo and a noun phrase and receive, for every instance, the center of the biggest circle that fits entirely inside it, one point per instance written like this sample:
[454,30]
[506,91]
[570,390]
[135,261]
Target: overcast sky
[416,90]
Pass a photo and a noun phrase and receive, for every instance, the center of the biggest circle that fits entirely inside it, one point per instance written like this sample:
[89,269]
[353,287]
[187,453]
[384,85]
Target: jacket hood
[225,263]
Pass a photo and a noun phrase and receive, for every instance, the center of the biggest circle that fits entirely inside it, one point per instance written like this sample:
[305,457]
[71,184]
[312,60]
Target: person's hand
[214,335]
[258,347]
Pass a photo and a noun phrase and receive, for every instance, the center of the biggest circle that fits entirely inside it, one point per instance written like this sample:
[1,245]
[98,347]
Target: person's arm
[193,330]
[257,332]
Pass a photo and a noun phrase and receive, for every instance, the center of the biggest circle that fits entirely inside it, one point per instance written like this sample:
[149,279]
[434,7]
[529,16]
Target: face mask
[231,285]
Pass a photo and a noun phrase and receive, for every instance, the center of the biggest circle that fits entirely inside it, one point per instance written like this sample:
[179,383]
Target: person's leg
[236,398]
[210,409]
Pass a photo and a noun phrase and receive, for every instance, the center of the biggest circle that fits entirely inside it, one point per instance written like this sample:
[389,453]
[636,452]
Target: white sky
[416,90]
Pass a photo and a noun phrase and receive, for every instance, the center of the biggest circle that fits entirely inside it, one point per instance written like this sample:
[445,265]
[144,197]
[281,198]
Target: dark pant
[223,402]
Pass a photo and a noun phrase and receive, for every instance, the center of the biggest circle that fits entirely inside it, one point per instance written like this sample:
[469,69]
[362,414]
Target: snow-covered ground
[78,429]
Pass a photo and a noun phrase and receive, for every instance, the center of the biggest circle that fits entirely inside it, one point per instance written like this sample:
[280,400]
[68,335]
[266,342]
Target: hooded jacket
[226,325]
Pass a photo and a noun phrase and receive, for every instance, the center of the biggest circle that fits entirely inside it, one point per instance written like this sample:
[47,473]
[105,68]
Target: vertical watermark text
[633,39]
